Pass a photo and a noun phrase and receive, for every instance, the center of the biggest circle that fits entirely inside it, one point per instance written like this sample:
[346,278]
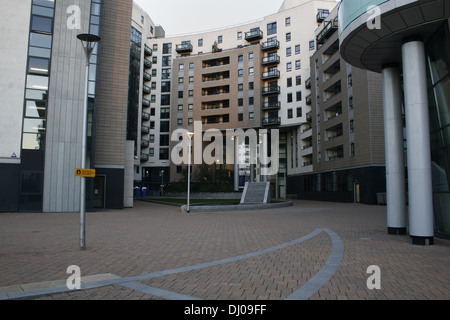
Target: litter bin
[138,192]
[144,191]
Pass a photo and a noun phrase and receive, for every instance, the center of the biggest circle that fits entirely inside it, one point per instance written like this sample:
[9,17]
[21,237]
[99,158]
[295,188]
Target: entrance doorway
[99,192]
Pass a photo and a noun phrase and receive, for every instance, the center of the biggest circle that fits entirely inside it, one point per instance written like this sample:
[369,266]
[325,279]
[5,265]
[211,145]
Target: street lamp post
[89,41]
[161,174]
[190,134]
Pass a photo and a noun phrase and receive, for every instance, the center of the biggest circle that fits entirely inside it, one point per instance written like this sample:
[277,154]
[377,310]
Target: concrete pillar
[236,163]
[395,163]
[421,227]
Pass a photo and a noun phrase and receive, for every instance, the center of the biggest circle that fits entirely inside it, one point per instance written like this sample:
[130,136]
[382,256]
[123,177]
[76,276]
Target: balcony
[308,84]
[271,121]
[147,51]
[271,45]
[146,103]
[271,90]
[271,106]
[328,30]
[271,60]
[144,157]
[147,64]
[147,89]
[322,15]
[145,116]
[145,143]
[254,35]
[147,76]
[184,48]
[145,129]
[273,74]
[309,100]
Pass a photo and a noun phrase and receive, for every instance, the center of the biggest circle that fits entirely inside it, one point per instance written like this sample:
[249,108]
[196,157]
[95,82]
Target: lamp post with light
[88,41]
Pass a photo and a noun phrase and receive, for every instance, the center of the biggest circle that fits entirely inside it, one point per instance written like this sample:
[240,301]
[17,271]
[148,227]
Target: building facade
[342,142]
[247,76]
[408,43]
[44,93]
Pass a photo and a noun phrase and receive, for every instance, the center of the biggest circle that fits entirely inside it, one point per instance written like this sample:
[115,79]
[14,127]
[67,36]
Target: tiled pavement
[312,250]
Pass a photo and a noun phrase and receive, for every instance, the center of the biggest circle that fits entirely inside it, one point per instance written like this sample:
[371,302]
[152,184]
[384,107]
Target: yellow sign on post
[87,173]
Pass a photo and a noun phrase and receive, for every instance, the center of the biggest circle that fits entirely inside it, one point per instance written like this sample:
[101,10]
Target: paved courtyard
[310,251]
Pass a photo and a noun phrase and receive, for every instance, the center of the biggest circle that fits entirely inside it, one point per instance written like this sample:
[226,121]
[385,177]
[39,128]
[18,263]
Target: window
[250,56]
[240,117]
[240,73]
[165,86]
[165,99]
[180,66]
[164,140]
[289,82]
[352,125]
[350,81]
[164,126]
[41,24]
[350,103]
[190,107]
[298,64]
[297,49]
[241,58]
[240,87]
[298,80]
[181,80]
[191,93]
[163,154]
[251,85]
[251,71]
[288,37]
[166,74]
[152,138]
[251,101]
[191,79]
[167,61]
[142,19]
[271,28]
[298,96]
[165,113]
[190,121]
[151,152]
[312,45]
[288,52]
[251,115]
[179,122]
[289,66]
[200,42]
[180,94]
[167,48]
[289,97]
[290,114]
[299,112]
[240,102]
[239,35]
[180,108]
[155,47]
[220,39]
[352,150]
[191,66]
[288,21]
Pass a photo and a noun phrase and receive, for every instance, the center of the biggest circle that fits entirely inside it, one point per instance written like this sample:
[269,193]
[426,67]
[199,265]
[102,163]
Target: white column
[395,163]
[236,163]
[421,226]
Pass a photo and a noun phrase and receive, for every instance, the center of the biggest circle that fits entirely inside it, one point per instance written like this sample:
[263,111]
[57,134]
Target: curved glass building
[408,43]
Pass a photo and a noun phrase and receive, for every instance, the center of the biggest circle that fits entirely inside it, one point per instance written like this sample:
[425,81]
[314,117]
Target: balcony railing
[144,157]
[271,90]
[147,51]
[145,129]
[254,35]
[145,116]
[308,100]
[146,102]
[270,45]
[147,89]
[308,84]
[271,121]
[145,143]
[147,64]
[147,76]
[271,105]
[184,48]
[328,30]
[273,74]
[271,60]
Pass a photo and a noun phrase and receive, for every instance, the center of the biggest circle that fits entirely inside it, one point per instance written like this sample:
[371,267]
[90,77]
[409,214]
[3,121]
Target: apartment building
[342,142]
[247,76]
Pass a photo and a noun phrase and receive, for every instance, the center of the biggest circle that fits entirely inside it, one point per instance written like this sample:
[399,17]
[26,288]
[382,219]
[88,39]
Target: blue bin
[144,191]
[138,192]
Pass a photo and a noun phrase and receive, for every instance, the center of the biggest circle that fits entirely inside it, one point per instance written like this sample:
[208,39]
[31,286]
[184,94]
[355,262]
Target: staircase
[256,192]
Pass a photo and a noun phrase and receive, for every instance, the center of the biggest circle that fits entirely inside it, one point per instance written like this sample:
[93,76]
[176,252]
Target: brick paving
[37,248]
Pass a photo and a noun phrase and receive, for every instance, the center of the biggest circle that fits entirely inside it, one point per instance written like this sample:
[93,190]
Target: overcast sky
[189,16]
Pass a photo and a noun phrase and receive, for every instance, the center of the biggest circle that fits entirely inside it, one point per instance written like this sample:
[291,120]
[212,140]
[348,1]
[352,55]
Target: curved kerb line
[306,291]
